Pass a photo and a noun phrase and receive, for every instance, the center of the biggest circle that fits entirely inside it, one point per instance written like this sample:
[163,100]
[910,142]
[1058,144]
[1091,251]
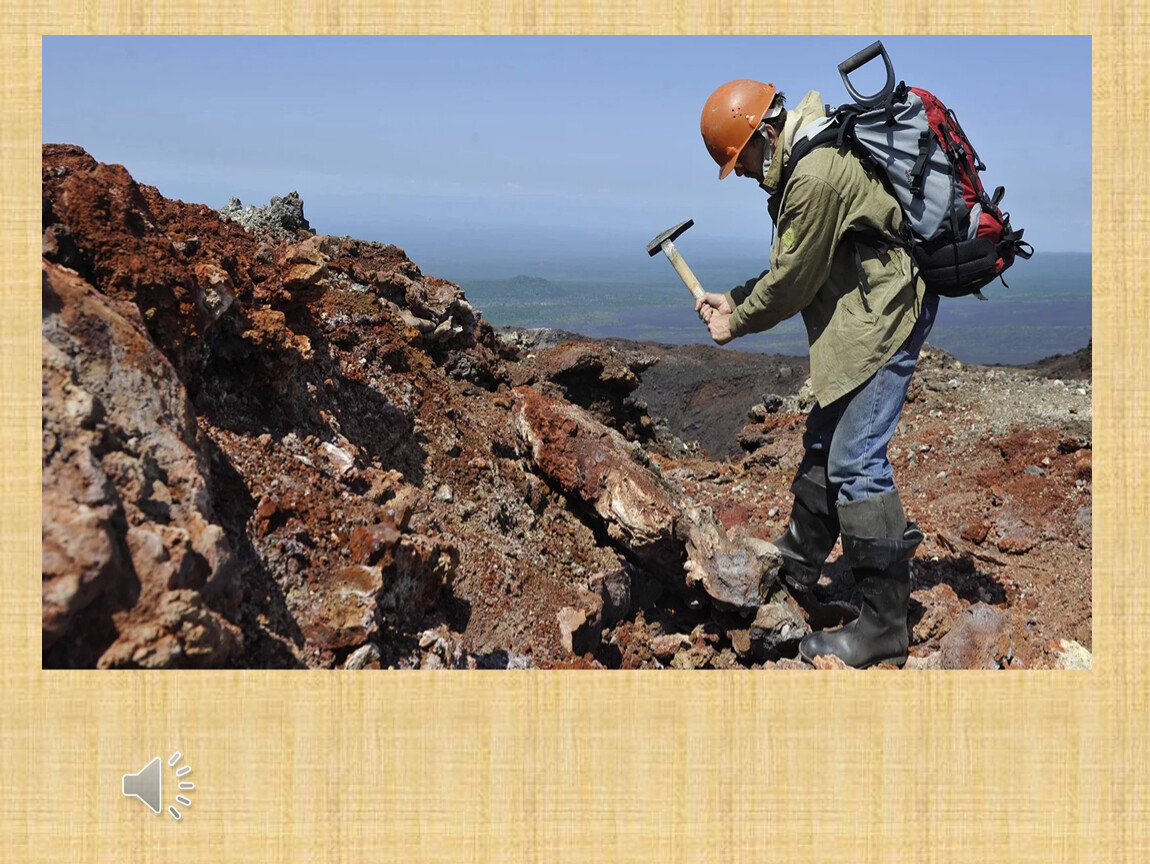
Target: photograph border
[323,766]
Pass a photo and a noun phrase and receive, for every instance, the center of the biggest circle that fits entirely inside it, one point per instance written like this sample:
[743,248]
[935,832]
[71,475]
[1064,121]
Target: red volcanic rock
[681,543]
[371,544]
[127,503]
[980,640]
[941,608]
[286,449]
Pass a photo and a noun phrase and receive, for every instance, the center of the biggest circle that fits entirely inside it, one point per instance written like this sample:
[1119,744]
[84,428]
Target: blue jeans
[855,429]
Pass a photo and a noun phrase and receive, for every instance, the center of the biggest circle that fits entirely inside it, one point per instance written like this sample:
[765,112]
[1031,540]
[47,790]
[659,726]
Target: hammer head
[656,245]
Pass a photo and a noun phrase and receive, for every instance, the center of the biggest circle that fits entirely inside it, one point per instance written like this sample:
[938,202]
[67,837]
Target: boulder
[679,542]
[128,527]
[941,608]
[341,610]
[981,639]
[580,626]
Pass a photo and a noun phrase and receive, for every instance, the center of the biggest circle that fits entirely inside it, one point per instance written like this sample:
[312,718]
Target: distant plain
[1046,309]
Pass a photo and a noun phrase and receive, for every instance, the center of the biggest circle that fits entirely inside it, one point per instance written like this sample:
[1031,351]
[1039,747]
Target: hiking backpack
[959,238]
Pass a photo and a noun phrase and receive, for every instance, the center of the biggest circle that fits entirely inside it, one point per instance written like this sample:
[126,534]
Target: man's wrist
[734,323]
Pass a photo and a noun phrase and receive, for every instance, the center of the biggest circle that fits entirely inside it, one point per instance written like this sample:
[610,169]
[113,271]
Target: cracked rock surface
[268,447]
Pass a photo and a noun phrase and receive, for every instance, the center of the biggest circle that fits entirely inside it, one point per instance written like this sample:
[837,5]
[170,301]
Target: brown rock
[341,612]
[269,513]
[941,608]
[793,663]
[127,516]
[180,632]
[693,658]
[432,298]
[302,276]
[726,659]
[975,532]
[665,647]
[108,229]
[80,549]
[678,541]
[706,633]
[216,293]
[596,377]
[981,639]
[829,661]
[777,621]
[929,661]
[423,566]
[303,264]
[580,627]
[741,641]
[268,331]
[590,360]
[1015,534]
[375,544]
[1084,464]
[1017,543]
[406,502]
[588,460]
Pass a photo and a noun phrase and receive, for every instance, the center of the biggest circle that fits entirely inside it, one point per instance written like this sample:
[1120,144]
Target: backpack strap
[918,171]
[831,135]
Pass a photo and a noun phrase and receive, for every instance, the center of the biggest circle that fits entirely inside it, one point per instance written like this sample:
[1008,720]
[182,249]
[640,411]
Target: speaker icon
[147,785]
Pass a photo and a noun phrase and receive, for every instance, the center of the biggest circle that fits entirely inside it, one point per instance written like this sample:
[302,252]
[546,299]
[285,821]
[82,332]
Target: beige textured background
[580,766]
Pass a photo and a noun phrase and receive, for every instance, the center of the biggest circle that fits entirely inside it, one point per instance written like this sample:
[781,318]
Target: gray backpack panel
[894,147]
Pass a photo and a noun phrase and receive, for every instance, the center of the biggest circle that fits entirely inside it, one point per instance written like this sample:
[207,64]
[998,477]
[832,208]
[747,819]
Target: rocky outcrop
[137,570]
[266,447]
[282,218]
[595,377]
[673,538]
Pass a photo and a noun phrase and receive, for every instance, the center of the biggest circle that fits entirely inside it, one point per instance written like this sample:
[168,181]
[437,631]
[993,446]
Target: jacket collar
[807,111]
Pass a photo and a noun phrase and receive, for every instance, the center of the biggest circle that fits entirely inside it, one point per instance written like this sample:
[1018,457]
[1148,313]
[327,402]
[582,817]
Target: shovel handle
[683,270]
[875,49]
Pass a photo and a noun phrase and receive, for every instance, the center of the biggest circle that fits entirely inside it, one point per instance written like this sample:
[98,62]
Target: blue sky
[556,156]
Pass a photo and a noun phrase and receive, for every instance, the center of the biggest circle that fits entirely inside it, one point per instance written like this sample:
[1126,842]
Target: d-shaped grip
[863,57]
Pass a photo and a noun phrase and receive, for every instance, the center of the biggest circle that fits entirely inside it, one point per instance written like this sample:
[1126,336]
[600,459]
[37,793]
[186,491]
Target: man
[835,261]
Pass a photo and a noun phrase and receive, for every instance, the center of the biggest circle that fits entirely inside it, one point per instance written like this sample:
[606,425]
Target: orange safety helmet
[730,118]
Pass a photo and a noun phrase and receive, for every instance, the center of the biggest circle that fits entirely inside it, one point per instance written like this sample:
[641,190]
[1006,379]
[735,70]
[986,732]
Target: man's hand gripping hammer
[664,241]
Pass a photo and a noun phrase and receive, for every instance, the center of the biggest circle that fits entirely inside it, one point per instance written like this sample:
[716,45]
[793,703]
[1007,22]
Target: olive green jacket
[857,301]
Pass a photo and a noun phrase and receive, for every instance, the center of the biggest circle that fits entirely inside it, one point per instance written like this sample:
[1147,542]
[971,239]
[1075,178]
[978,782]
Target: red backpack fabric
[959,237]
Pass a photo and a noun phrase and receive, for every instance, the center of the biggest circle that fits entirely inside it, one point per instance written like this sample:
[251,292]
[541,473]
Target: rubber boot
[814,525]
[879,543]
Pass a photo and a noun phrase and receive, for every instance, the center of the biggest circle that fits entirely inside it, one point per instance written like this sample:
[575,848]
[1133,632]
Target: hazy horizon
[560,156]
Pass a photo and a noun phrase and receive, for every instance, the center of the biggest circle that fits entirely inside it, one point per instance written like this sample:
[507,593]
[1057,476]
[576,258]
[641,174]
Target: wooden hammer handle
[683,270]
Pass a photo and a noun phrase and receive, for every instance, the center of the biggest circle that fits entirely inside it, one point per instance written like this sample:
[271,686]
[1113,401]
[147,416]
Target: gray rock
[1074,656]
[777,622]
[614,586]
[930,661]
[369,653]
[282,217]
[980,639]
[1084,520]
